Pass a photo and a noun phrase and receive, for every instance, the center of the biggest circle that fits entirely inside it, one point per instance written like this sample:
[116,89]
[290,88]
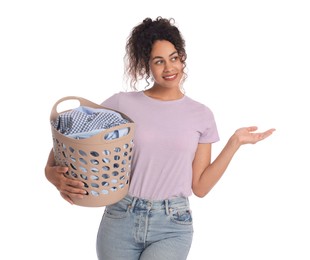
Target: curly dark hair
[139,46]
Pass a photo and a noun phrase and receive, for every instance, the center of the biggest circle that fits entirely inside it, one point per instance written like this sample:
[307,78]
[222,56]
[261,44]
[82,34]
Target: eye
[158,62]
[175,58]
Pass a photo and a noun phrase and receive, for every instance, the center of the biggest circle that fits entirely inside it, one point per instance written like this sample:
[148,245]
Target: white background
[249,61]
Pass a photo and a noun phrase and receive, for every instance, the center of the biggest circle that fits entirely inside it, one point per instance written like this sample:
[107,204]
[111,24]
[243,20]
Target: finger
[268,133]
[74,191]
[271,130]
[251,128]
[67,198]
[72,187]
[73,183]
[61,169]
[264,135]
[71,195]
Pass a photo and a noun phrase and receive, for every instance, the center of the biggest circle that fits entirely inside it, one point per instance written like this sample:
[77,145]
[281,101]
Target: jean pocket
[181,216]
[116,211]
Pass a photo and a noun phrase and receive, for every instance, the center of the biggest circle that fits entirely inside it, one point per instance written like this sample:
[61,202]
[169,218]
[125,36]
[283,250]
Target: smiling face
[165,65]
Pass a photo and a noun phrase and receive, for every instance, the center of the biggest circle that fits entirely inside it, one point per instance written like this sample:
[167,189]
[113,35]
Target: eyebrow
[160,57]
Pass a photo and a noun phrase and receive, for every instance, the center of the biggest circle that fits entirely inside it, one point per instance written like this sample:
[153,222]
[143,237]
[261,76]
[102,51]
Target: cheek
[181,66]
[181,69]
[156,72]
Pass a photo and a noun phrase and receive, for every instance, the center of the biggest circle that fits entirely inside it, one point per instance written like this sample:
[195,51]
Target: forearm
[216,169]
[51,159]
[67,187]
[49,173]
[53,172]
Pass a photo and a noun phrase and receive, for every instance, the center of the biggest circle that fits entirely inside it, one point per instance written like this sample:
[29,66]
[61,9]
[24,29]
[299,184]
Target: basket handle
[83,102]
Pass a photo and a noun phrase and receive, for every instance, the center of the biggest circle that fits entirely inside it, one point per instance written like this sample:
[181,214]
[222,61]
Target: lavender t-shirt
[165,141]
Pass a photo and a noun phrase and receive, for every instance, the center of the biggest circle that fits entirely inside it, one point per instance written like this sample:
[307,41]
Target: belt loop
[167,207]
[133,203]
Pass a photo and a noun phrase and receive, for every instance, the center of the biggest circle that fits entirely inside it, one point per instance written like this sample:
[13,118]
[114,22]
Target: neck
[164,94]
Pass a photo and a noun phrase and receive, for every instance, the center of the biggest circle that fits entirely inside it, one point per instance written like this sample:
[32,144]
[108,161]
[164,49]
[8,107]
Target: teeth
[170,77]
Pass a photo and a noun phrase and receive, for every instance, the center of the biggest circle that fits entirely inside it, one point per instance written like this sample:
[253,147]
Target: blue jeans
[134,228]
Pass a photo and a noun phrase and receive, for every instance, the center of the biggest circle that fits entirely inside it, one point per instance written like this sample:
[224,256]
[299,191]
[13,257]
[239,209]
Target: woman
[171,157]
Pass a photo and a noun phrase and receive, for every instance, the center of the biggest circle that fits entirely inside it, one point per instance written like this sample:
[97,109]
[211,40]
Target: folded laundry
[110,135]
[83,122]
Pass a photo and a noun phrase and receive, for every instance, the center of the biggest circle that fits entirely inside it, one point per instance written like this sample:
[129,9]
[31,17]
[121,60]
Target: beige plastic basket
[103,165]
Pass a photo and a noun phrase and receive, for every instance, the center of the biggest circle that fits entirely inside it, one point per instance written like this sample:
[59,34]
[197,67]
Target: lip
[170,77]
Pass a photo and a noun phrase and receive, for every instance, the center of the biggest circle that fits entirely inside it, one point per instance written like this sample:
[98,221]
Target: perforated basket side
[103,166]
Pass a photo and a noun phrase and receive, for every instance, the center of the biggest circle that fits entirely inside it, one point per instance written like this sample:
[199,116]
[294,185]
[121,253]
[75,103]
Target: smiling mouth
[170,77]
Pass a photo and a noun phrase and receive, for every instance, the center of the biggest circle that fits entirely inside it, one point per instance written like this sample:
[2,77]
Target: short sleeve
[210,133]
[112,102]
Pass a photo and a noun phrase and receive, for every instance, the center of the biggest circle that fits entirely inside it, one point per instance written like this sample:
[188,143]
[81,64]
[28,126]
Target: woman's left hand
[246,135]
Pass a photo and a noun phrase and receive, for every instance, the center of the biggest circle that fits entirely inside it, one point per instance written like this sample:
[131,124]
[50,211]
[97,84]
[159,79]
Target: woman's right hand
[67,187]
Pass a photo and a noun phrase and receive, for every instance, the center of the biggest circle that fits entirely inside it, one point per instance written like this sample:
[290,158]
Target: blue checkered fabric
[86,119]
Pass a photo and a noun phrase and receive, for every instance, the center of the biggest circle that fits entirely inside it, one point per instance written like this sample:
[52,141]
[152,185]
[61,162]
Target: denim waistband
[145,204]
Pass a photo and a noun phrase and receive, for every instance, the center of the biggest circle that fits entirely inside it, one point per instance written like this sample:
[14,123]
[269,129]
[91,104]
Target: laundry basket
[103,165]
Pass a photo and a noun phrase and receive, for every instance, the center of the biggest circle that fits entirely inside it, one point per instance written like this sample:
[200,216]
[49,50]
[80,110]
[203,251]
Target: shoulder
[121,99]
[127,94]
[121,95]
[194,104]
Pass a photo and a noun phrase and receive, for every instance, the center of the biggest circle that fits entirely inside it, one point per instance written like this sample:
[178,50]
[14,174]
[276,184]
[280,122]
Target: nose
[168,67]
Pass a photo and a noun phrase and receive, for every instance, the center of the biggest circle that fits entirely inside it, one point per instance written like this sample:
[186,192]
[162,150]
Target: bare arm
[207,174]
[68,188]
